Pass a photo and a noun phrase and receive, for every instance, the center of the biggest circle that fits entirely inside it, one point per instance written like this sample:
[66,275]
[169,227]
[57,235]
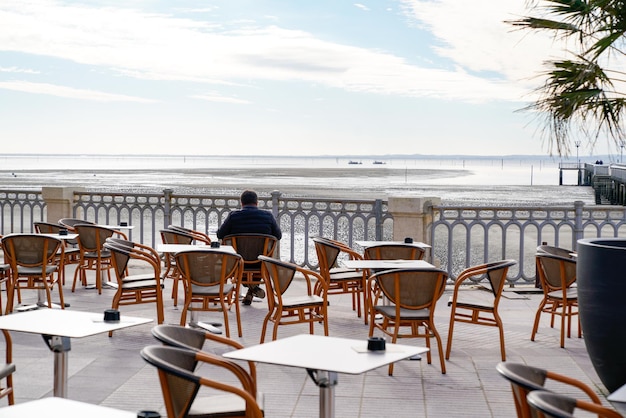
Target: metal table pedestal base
[326,382]
[60,346]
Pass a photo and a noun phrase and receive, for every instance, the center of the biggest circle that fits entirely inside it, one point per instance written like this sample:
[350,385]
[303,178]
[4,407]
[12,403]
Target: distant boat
[354,162]
[379,162]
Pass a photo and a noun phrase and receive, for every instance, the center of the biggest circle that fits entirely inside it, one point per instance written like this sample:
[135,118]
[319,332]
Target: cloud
[68,92]
[362,7]
[475,35]
[220,99]
[161,47]
[18,70]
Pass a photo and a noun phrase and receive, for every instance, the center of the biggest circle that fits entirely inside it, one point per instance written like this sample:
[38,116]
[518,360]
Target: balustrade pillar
[412,217]
[59,202]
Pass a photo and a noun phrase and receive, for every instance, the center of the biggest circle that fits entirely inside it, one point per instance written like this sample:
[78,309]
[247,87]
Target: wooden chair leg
[537,317]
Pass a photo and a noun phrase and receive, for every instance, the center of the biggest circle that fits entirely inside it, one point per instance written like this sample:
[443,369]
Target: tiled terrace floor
[110,372]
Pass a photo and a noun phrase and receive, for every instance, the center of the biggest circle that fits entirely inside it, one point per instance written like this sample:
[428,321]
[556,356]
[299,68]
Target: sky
[266,77]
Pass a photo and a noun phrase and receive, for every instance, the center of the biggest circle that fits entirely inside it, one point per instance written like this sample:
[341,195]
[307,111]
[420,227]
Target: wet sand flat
[368,182]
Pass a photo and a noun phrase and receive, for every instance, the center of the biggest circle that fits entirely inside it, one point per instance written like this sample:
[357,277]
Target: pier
[608,180]
[580,167]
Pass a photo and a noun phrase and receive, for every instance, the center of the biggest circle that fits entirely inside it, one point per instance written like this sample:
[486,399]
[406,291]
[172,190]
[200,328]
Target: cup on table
[63,231]
[123,223]
[408,240]
[215,244]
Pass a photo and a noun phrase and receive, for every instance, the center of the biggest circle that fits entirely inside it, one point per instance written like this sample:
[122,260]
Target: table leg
[326,383]
[104,282]
[60,346]
[41,302]
[209,326]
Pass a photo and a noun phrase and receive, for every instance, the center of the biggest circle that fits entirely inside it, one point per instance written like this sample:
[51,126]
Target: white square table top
[174,248]
[65,322]
[126,227]
[317,352]
[386,264]
[59,236]
[366,244]
[55,407]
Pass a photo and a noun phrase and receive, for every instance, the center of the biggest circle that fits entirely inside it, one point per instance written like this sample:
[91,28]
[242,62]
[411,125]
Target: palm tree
[582,94]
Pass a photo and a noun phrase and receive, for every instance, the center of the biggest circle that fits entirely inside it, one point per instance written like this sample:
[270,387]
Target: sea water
[456,180]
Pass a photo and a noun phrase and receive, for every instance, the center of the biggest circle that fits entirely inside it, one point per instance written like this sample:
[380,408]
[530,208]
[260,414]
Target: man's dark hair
[249,197]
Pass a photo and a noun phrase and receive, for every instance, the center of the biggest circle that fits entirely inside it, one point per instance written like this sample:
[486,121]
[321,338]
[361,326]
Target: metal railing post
[578,222]
[275,197]
[378,215]
[167,207]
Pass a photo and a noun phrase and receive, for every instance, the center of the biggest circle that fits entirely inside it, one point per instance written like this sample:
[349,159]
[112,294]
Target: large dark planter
[601,278]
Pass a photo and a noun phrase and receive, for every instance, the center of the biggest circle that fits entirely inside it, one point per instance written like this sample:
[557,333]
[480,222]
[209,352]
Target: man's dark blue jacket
[250,220]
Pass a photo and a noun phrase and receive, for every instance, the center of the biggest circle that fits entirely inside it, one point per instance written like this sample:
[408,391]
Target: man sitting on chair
[250,220]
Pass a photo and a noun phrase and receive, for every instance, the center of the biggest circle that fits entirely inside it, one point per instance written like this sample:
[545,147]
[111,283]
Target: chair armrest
[353,254]
[9,346]
[576,383]
[320,282]
[248,384]
[252,406]
[120,234]
[467,274]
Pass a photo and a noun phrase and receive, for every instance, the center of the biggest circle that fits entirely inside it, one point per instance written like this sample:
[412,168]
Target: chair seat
[211,290]
[140,284]
[6,370]
[341,276]
[475,299]
[408,314]
[103,254]
[571,293]
[221,406]
[71,250]
[140,277]
[25,271]
[296,301]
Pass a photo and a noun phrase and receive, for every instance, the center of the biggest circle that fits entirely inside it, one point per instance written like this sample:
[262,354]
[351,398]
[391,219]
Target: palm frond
[578,94]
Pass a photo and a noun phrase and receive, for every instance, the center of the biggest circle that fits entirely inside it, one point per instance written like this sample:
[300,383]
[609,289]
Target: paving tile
[110,371]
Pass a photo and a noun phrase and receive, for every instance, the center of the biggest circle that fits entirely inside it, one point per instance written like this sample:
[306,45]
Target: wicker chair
[524,379]
[173,236]
[557,275]
[198,236]
[479,307]
[306,308]
[195,339]
[338,279]
[138,288]
[5,276]
[213,280]
[412,295]
[7,369]
[555,405]
[394,251]
[180,385]
[35,264]
[70,247]
[250,247]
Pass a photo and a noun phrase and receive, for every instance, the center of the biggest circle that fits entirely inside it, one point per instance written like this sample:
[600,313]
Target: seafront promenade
[110,372]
